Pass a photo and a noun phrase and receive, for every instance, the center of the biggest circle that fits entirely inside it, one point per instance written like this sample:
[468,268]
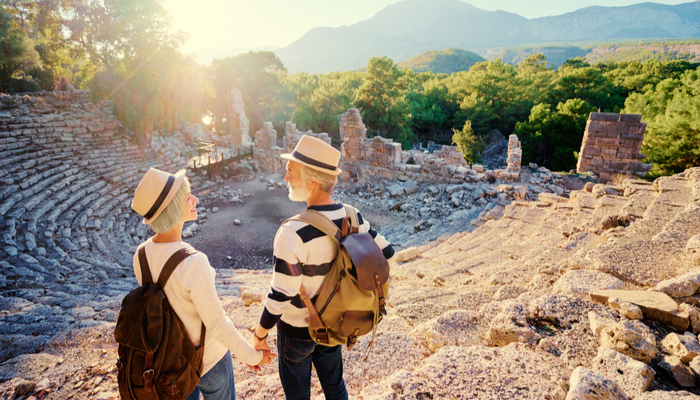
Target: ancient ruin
[237,120]
[611,145]
[515,156]
[493,296]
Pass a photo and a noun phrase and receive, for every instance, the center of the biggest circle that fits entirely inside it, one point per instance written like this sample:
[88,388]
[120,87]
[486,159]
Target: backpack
[352,298]
[157,359]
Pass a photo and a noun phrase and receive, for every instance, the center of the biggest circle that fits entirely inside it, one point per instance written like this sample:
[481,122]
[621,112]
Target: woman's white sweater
[191,292]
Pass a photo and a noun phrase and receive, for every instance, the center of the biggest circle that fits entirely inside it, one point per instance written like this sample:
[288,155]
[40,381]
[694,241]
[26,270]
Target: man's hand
[260,344]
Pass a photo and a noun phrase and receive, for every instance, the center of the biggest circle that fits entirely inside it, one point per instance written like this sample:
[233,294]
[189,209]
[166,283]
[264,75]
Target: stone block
[654,305]
[679,371]
[585,384]
[686,346]
[633,376]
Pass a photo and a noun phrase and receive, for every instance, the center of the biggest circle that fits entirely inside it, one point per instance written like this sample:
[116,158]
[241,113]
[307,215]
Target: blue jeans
[217,383]
[295,358]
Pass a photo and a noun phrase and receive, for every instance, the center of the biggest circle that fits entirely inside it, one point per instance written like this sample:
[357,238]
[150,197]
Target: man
[303,256]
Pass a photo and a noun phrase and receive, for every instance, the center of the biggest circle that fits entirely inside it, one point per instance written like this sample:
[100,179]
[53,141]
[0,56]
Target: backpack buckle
[149,372]
[322,335]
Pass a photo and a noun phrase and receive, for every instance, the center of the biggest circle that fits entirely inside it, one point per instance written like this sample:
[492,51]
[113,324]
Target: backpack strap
[146,276]
[172,263]
[352,217]
[320,222]
[321,330]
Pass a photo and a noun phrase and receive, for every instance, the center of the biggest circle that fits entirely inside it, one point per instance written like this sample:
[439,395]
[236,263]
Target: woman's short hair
[325,181]
[171,215]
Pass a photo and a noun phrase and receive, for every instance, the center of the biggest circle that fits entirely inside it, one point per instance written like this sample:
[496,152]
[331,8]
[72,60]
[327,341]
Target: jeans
[295,357]
[217,383]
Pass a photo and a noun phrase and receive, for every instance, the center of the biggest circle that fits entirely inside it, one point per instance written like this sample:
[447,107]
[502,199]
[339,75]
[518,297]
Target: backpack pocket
[354,324]
[181,386]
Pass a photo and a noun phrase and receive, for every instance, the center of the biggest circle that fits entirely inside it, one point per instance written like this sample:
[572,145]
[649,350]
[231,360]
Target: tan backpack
[351,299]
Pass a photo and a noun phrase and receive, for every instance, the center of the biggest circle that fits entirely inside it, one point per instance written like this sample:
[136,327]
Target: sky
[221,28]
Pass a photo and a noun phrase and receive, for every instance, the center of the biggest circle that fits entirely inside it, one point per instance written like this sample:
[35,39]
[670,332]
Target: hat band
[161,197]
[313,162]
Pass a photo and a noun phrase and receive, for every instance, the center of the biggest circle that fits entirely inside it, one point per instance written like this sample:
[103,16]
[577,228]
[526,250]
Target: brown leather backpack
[351,300]
[157,359]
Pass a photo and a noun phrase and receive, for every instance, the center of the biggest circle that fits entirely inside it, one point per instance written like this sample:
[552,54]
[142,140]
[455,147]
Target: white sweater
[191,292]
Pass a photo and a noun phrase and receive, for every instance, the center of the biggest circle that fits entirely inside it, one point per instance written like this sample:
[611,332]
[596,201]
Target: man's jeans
[295,358]
[217,383]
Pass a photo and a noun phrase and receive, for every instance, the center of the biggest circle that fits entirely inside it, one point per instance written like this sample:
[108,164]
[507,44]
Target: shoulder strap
[146,276]
[320,222]
[172,263]
[352,216]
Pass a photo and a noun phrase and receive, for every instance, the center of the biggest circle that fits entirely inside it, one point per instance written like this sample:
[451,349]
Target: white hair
[325,181]
[171,215]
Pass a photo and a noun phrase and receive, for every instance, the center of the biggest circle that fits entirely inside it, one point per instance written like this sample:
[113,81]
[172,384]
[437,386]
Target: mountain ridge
[410,27]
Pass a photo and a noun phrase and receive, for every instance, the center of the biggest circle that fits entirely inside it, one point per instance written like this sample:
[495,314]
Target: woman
[166,203]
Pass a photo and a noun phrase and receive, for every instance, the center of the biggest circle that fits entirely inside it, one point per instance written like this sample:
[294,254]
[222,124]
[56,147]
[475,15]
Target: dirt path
[249,244]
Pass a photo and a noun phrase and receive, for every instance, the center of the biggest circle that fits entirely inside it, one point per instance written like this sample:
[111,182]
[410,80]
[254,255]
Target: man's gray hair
[171,216]
[325,181]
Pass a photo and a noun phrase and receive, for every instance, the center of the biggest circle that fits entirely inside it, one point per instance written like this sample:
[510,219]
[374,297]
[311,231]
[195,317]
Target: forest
[127,51]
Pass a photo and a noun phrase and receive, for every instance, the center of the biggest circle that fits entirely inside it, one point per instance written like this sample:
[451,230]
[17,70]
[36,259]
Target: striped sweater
[303,255]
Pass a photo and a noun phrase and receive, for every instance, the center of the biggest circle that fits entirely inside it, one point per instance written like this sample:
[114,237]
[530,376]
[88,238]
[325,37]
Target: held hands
[266,359]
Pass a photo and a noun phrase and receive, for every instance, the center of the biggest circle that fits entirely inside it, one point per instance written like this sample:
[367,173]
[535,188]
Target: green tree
[383,102]
[12,50]
[672,139]
[552,138]
[576,80]
[469,143]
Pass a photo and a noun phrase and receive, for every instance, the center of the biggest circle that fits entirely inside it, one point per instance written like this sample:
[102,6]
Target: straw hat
[316,154]
[154,193]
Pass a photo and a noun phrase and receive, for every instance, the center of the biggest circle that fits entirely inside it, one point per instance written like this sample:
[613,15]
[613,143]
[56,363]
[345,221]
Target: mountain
[445,61]
[410,27]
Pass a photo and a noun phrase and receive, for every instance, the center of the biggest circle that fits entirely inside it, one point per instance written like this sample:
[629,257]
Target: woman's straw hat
[154,193]
[316,154]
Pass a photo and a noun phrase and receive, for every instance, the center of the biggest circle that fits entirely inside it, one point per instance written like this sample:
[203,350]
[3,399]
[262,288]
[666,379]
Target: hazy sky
[216,25]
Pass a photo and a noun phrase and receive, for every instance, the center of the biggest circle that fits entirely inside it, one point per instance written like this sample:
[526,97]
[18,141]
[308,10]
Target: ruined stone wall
[611,145]
[237,120]
[357,148]
[292,136]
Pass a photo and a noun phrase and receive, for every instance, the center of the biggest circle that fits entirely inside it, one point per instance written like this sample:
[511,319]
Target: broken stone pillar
[515,156]
[352,133]
[237,120]
[293,135]
[611,145]
[266,137]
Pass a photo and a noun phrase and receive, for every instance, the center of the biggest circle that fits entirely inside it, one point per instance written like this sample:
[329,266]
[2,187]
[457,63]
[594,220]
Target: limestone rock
[664,395]
[407,254]
[585,384]
[510,325]
[632,338]
[454,328]
[479,371]
[633,376]
[27,366]
[410,186]
[580,282]
[509,292]
[249,296]
[626,308]
[599,322]
[695,366]
[681,286]
[655,305]
[395,190]
[692,250]
[679,371]
[693,315]
[686,347]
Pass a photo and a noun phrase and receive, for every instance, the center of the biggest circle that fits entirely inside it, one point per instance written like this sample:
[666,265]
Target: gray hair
[325,181]
[171,215]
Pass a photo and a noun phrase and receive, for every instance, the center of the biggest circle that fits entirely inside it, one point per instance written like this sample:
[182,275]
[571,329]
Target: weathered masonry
[611,145]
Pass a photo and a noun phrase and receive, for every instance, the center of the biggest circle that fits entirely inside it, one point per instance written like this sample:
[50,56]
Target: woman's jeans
[217,383]
[295,358]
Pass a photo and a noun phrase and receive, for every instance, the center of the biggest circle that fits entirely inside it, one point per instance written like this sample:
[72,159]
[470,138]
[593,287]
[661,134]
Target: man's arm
[285,284]
[387,248]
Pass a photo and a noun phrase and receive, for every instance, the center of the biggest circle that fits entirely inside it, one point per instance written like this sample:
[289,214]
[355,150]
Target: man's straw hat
[154,193]
[316,154]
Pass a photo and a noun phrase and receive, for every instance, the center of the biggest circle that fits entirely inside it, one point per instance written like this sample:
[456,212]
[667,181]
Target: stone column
[237,120]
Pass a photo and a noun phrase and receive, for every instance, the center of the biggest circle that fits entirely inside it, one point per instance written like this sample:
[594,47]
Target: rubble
[679,371]
[586,384]
[686,346]
[654,305]
[634,377]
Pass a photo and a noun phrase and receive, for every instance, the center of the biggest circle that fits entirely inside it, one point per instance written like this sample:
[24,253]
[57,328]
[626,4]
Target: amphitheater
[590,296]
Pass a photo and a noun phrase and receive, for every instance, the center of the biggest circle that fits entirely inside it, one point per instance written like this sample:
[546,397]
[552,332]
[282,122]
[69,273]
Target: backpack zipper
[337,289]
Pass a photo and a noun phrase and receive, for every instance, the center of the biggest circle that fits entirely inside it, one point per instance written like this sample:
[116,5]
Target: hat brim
[179,177]
[290,156]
